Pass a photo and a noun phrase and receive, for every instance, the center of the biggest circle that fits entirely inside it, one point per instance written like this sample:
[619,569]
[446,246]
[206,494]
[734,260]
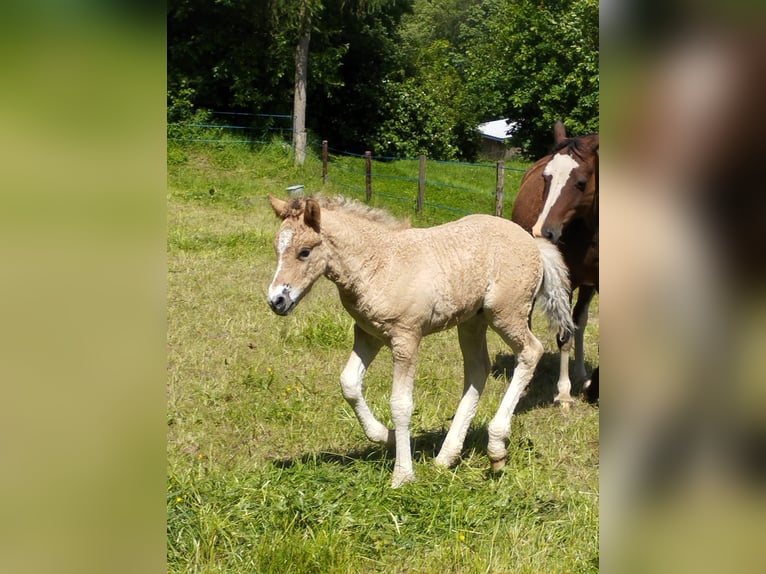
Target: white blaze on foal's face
[299,264]
[284,239]
[558,170]
[280,294]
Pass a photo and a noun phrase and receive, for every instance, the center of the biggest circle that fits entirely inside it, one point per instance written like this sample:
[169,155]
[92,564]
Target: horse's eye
[304,253]
[581,185]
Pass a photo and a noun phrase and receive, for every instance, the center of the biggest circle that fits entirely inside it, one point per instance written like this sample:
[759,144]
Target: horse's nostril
[279,301]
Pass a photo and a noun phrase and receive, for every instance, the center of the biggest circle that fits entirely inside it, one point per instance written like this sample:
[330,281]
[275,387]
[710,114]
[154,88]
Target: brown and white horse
[558,200]
[401,284]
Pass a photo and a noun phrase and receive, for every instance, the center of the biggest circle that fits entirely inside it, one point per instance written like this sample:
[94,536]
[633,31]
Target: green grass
[268,469]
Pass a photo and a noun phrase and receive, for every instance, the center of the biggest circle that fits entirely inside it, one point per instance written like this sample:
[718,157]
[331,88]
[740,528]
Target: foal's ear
[312,214]
[559,132]
[278,206]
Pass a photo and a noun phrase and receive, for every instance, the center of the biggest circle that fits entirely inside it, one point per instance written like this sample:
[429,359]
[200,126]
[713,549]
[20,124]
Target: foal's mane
[361,210]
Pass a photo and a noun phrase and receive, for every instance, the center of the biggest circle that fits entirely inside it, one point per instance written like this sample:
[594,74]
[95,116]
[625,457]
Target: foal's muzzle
[281,303]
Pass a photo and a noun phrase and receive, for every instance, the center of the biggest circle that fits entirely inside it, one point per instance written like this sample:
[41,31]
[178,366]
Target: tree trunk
[299,103]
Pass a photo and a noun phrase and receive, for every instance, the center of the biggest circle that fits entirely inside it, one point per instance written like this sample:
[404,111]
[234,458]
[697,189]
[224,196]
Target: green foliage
[542,60]
[400,77]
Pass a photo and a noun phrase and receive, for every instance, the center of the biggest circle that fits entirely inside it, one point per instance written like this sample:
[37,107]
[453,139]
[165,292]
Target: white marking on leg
[559,169]
[499,428]
[351,386]
[564,384]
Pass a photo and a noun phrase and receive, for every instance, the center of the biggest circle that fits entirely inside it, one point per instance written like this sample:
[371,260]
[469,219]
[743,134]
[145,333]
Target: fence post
[421,184]
[499,190]
[324,161]
[368,174]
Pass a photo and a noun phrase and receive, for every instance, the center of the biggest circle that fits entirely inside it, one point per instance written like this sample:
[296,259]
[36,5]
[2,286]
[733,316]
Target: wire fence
[453,186]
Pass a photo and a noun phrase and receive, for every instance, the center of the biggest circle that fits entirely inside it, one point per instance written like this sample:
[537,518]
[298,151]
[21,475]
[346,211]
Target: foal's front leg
[366,348]
[404,350]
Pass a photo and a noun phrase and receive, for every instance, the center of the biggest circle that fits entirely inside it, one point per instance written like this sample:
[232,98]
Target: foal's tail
[554,293]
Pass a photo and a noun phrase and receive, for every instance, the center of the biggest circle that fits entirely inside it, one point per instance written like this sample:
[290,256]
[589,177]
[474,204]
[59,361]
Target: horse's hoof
[497,465]
[564,402]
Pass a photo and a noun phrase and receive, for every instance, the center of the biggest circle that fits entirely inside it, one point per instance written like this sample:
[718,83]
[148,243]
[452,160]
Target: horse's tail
[554,293]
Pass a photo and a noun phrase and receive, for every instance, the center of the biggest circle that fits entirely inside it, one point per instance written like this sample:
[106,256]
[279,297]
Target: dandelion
[179,499]
[461,537]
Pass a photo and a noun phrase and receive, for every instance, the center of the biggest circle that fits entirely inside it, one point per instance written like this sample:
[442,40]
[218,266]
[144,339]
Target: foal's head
[571,184]
[301,259]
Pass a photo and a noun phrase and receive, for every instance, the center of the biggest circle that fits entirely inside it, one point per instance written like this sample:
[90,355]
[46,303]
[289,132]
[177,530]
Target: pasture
[268,468]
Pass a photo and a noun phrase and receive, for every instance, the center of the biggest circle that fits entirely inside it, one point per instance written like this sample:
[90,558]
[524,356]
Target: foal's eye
[304,253]
[581,185]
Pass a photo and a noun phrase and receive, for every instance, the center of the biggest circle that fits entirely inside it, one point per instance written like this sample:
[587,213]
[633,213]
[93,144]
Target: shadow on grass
[542,388]
[426,444]
[373,453]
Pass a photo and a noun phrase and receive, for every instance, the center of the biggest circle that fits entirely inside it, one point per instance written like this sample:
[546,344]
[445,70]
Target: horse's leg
[476,366]
[580,315]
[366,348]
[404,350]
[528,351]
[590,388]
[564,384]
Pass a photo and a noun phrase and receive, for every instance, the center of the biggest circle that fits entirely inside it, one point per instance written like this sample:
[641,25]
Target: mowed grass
[268,469]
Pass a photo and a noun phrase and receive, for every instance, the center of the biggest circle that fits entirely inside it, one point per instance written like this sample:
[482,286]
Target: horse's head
[571,185]
[301,259]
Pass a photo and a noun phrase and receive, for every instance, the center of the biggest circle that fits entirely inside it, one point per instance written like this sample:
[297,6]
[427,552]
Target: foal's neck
[355,247]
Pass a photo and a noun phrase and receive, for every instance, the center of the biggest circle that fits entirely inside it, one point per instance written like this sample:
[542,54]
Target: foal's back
[441,276]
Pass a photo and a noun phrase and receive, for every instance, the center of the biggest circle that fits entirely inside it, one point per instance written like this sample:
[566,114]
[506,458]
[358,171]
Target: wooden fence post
[368,174]
[499,190]
[324,161]
[421,185]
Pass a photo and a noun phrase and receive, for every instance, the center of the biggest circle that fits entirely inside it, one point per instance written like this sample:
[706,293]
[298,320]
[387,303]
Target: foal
[401,284]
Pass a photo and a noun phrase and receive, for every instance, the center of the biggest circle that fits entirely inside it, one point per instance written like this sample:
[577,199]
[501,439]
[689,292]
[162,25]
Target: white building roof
[497,130]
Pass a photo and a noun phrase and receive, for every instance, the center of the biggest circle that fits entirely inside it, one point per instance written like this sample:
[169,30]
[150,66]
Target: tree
[540,58]
[400,77]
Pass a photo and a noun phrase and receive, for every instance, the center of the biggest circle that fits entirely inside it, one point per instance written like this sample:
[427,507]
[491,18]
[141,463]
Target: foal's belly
[423,317]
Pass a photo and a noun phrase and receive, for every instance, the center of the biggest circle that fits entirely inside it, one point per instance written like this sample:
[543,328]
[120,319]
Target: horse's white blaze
[283,242]
[559,169]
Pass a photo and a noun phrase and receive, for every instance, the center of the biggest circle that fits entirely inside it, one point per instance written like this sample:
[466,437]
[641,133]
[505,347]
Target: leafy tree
[400,77]
[540,58]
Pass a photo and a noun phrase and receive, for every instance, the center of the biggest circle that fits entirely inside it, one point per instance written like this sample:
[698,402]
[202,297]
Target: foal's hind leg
[366,348]
[473,344]
[528,351]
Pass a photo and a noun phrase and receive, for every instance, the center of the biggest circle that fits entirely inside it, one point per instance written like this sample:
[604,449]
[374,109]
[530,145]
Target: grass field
[268,469]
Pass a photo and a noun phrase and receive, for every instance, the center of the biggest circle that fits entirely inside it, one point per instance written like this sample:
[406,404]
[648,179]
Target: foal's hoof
[446,461]
[402,479]
[497,465]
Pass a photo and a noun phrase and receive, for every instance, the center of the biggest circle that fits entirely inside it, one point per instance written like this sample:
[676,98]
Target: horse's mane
[359,209]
